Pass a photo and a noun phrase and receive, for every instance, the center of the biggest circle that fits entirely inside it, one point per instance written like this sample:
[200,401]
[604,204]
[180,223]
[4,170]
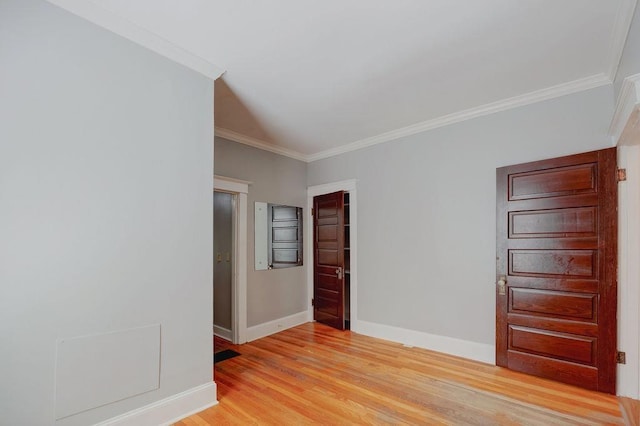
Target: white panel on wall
[92,371]
[262,260]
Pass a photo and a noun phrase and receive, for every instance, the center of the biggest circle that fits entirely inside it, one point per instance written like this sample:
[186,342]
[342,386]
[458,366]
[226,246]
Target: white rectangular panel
[92,371]
[261,234]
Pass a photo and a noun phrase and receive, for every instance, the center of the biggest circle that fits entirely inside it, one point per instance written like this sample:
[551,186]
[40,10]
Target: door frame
[313,191]
[629,271]
[239,189]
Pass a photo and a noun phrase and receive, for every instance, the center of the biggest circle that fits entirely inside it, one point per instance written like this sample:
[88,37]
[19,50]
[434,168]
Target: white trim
[260,144]
[168,410]
[260,236]
[491,108]
[625,124]
[625,133]
[481,352]
[628,375]
[328,188]
[231,185]
[117,24]
[222,332]
[240,303]
[239,288]
[621,27]
[272,327]
[313,191]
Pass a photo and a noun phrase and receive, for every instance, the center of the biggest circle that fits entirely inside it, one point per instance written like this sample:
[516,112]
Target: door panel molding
[556,302]
[329,260]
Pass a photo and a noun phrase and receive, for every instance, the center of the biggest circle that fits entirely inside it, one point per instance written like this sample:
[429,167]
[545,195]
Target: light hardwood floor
[314,374]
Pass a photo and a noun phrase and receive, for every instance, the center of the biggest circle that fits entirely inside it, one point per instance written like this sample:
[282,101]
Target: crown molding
[127,29]
[625,124]
[621,27]
[487,109]
[96,14]
[260,144]
[491,108]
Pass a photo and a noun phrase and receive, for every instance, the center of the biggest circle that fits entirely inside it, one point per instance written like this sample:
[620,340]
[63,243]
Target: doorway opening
[237,190]
[348,187]
[223,208]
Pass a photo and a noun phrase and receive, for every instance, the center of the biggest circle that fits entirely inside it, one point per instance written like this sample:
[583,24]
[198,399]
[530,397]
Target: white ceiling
[310,79]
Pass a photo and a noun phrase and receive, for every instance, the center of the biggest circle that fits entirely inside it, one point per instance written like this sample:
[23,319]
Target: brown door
[556,269]
[328,259]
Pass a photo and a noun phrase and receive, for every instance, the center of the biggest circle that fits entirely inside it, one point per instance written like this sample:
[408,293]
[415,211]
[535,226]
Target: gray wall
[105,205]
[277,293]
[426,210]
[222,246]
[630,62]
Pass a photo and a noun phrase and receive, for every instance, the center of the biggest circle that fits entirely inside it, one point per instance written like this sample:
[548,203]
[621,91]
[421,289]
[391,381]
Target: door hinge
[622,175]
[313,302]
[311,212]
[621,357]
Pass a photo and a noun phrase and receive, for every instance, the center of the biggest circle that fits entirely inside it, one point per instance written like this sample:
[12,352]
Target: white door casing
[312,191]
[239,270]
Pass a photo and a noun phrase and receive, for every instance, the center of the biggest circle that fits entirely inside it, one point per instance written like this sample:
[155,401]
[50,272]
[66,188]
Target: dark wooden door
[328,259]
[556,292]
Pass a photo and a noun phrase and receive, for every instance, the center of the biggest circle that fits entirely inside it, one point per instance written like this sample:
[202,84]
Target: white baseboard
[272,327]
[448,345]
[169,410]
[222,332]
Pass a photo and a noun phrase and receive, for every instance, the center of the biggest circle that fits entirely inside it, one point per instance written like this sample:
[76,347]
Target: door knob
[502,285]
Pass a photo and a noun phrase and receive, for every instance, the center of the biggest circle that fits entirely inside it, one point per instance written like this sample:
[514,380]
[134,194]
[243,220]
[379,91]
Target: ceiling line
[132,32]
[621,28]
[125,28]
[468,114]
[445,120]
[623,126]
[260,144]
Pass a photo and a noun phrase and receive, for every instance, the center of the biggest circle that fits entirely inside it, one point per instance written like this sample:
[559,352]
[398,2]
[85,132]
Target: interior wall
[276,293]
[105,207]
[223,259]
[426,210]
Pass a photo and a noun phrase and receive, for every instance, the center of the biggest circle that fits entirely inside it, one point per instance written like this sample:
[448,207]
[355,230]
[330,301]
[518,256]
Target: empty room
[285,212]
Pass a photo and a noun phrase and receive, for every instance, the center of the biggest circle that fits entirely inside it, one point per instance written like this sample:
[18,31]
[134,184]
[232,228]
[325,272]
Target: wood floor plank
[631,411]
[313,374]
